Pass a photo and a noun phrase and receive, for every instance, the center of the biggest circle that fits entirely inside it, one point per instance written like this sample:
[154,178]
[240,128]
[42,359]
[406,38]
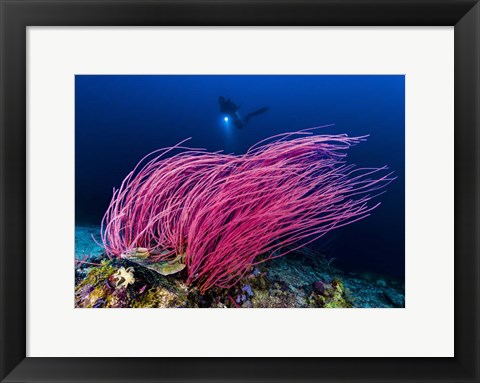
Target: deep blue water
[119,119]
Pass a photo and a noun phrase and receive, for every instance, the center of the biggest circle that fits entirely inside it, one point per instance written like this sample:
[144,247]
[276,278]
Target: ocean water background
[119,119]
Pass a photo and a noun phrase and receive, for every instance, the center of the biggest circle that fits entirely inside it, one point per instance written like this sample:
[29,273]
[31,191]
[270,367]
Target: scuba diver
[228,108]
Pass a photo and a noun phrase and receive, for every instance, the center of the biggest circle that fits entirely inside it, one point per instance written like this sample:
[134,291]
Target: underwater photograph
[239,191]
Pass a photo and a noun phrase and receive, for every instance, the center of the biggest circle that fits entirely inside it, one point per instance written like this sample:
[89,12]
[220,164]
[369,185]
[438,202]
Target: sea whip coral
[221,214]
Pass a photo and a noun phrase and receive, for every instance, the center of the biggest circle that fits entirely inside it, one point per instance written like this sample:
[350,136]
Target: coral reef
[300,279]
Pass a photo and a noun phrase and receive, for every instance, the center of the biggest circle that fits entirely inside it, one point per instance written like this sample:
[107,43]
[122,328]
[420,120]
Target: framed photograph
[239,191]
[281,209]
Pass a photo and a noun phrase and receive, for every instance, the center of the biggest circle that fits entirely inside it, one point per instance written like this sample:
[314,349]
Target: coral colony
[217,215]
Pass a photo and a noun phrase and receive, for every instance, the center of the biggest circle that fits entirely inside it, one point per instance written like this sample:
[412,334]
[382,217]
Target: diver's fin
[255,113]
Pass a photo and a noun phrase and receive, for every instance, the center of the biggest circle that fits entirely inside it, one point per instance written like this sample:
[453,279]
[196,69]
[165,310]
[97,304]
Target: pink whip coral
[221,214]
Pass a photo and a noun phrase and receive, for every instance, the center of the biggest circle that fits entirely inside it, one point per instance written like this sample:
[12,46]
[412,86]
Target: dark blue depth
[119,119]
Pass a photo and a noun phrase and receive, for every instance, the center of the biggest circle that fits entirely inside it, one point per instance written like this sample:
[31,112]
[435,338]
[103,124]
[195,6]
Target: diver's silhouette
[231,110]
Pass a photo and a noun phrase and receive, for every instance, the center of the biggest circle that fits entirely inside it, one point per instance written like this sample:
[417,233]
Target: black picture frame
[16,15]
